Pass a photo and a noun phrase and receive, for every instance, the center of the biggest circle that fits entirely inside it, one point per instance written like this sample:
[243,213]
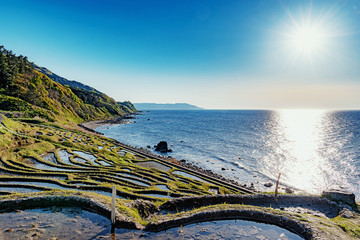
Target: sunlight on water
[303,164]
[313,150]
[309,150]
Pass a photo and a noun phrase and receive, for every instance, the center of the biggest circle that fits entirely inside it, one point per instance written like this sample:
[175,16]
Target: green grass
[348,226]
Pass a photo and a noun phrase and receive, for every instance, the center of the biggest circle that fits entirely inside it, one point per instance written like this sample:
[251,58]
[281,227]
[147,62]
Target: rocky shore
[91,126]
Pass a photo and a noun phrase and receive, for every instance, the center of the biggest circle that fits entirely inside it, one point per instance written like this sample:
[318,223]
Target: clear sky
[229,54]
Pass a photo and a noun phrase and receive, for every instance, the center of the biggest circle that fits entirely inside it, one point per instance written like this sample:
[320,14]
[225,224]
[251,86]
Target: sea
[312,150]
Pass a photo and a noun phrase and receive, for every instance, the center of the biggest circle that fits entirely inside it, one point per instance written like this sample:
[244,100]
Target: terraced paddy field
[45,166]
[80,162]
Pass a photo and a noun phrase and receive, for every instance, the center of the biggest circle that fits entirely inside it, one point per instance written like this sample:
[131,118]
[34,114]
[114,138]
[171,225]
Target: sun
[309,33]
[307,39]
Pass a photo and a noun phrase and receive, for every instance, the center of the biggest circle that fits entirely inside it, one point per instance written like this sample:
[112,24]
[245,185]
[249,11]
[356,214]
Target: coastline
[304,215]
[263,187]
[92,125]
[207,139]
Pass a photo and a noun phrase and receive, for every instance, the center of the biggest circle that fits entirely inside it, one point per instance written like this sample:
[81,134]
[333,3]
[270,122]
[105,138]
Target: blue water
[312,149]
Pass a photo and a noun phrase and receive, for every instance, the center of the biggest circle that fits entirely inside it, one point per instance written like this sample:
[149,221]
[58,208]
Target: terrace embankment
[311,217]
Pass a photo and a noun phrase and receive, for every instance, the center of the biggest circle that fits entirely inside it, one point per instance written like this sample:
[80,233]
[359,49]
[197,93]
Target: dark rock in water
[338,195]
[269,184]
[223,169]
[162,147]
[148,146]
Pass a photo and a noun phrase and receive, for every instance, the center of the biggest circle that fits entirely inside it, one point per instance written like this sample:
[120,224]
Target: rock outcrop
[162,146]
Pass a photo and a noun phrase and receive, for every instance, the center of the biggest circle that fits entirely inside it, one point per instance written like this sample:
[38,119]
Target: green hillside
[64,81]
[33,94]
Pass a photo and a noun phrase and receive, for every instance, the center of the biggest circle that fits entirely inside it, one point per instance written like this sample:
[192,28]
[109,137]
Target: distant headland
[166,106]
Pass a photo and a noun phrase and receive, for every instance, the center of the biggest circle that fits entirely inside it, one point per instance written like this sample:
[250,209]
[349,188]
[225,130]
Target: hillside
[33,94]
[64,81]
[166,106]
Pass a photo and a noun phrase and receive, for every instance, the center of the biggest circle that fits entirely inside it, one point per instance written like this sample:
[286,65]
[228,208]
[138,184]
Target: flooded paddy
[225,229]
[163,187]
[38,184]
[156,195]
[84,155]
[43,166]
[55,222]
[188,175]
[104,163]
[18,189]
[76,223]
[153,164]
[65,156]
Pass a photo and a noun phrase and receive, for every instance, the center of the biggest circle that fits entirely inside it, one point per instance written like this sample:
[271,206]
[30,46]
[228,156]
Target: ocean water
[313,150]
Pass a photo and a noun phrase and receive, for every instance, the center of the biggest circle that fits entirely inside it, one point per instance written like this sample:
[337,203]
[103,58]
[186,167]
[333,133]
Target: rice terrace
[46,166]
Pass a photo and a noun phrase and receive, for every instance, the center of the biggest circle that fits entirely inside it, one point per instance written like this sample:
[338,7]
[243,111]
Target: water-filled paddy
[58,223]
[163,187]
[224,229]
[64,155]
[87,156]
[75,223]
[153,164]
[104,163]
[25,189]
[39,184]
[156,195]
[184,174]
[42,166]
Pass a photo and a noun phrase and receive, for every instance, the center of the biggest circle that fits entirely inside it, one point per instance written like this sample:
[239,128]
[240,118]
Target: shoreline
[92,125]
[263,182]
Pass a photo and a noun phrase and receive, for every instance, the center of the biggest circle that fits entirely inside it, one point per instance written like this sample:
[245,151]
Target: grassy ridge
[34,94]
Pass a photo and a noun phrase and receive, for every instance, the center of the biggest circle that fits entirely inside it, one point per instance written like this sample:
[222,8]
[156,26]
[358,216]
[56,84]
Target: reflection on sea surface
[302,166]
[295,141]
[305,151]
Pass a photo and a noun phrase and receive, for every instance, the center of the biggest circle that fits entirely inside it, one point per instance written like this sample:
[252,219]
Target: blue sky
[215,54]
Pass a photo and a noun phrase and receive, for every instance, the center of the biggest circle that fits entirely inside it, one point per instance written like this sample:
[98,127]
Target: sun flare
[307,39]
[309,34]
